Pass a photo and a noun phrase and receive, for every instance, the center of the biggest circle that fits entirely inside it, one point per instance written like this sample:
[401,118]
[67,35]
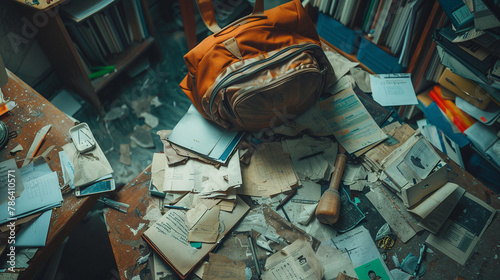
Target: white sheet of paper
[393,89]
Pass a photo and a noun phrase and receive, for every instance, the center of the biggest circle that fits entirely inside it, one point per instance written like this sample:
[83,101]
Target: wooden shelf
[121,62]
[61,52]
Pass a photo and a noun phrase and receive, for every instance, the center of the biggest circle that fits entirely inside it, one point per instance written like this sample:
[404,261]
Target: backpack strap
[207,12]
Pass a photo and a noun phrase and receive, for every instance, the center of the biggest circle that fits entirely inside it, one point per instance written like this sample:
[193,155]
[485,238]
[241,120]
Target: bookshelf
[375,43]
[55,38]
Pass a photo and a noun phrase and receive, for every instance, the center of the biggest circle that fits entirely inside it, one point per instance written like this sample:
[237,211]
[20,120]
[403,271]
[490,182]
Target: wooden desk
[128,246]
[32,113]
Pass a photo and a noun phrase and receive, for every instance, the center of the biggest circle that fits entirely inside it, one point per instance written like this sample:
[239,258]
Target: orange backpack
[259,71]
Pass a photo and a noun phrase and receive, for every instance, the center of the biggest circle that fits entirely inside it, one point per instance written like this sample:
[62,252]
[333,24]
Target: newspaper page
[463,229]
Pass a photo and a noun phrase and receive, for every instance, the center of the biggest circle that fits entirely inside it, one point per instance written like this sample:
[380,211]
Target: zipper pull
[226,104]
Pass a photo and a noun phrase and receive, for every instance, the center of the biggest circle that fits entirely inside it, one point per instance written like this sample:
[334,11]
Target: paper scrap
[158,170]
[125,154]
[89,166]
[312,158]
[150,119]
[270,172]
[16,149]
[142,136]
[11,183]
[221,267]
[334,261]
[294,262]
[363,252]
[206,230]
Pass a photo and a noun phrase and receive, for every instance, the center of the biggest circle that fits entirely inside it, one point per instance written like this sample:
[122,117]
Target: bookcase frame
[62,54]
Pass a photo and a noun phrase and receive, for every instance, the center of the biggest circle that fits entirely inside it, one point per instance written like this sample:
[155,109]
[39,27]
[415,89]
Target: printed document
[393,89]
[349,121]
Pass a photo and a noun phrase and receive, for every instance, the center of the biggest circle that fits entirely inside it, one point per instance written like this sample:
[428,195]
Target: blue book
[459,14]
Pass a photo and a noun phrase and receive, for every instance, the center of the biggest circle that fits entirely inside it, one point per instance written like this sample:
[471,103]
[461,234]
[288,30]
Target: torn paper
[294,262]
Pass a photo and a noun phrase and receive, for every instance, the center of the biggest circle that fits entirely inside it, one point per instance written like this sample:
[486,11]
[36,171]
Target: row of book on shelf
[102,29]
[388,23]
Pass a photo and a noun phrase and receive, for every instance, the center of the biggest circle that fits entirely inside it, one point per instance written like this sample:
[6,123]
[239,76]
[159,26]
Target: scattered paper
[334,261]
[88,167]
[349,121]
[393,89]
[463,229]
[270,172]
[202,178]
[169,237]
[436,208]
[11,183]
[150,119]
[313,158]
[34,233]
[158,171]
[341,65]
[206,230]
[221,267]
[142,136]
[393,211]
[294,262]
[363,252]
[16,149]
[170,153]
[125,154]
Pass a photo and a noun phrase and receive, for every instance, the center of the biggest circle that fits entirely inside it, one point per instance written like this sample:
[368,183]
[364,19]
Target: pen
[311,155]
[284,201]
[176,207]
[254,255]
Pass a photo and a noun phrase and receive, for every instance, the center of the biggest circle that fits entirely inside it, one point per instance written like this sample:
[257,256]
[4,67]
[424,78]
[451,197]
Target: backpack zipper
[222,83]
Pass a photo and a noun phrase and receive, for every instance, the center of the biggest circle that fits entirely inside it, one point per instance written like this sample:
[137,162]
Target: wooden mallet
[328,209]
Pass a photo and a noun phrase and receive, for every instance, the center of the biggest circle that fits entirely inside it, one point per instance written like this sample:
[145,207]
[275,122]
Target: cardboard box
[465,88]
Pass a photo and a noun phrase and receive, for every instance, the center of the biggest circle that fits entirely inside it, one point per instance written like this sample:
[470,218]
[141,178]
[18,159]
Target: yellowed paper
[312,158]
[206,230]
[270,172]
[202,178]
[294,262]
[125,154]
[89,166]
[158,170]
[221,267]
[436,208]
[168,236]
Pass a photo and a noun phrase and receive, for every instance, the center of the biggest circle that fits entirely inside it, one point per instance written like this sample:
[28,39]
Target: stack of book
[101,29]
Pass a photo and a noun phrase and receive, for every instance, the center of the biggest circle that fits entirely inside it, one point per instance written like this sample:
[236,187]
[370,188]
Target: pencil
[38,146]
